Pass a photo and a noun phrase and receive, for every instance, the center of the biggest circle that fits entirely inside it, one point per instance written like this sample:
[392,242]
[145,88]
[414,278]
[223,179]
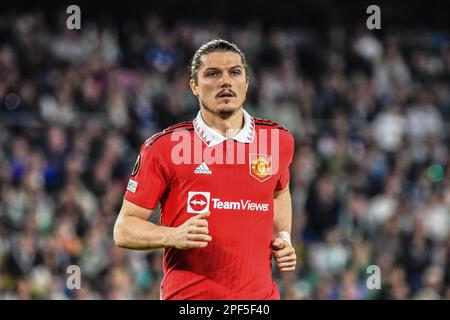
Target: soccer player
[222,183]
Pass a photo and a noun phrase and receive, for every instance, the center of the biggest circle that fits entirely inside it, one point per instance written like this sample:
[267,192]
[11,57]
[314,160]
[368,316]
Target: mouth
[226,95]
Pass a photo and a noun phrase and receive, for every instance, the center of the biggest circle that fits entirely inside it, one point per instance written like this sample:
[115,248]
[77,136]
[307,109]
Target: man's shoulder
[261,123]
[264,123]
[285,136]
[163,137]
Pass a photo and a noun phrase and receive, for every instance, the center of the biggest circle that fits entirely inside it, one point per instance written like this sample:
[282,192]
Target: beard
[222,112]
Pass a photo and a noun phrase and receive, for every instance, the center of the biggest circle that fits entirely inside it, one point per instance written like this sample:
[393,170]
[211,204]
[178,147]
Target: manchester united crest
[260,166]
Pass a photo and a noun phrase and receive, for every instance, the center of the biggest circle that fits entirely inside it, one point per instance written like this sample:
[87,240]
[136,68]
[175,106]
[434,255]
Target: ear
[194,87]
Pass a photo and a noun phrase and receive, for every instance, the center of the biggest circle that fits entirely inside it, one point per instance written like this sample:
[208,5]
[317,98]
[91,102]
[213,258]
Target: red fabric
[236,264]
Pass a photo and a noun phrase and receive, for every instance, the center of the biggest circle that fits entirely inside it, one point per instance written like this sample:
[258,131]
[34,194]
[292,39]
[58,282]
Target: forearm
[282,249]
[283,211]
[134,233]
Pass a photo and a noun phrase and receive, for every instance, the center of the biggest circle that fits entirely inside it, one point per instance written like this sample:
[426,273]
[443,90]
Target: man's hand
[284,254]
[191,234]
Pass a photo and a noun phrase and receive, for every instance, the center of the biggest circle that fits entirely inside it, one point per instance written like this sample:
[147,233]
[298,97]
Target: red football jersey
[189,168]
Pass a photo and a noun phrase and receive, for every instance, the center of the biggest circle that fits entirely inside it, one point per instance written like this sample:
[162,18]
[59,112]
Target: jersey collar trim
[212,138]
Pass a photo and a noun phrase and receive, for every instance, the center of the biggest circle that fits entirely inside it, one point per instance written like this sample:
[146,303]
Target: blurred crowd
[370,180]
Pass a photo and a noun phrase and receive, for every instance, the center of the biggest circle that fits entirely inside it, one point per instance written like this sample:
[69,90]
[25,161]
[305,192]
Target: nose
[225,81]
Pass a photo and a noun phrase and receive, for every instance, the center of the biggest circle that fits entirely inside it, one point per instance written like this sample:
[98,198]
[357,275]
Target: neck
[228,127]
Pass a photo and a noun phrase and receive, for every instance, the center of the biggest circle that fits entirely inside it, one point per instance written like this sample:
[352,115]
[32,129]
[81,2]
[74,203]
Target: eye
[236,72]
[211,73]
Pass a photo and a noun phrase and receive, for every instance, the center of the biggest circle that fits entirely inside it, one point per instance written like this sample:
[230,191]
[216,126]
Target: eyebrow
[215,68]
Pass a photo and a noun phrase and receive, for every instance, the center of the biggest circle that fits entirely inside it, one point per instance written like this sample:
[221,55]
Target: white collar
[212,138]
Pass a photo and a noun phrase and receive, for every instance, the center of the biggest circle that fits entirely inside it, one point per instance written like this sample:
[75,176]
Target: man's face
[221,83]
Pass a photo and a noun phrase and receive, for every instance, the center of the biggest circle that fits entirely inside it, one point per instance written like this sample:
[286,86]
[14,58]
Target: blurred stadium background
[370,111]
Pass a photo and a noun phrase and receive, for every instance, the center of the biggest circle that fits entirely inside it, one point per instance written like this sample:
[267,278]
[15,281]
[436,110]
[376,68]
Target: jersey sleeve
[284,176]
[148,179]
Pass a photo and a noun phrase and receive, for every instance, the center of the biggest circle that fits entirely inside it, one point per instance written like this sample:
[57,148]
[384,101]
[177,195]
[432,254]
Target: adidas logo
[202,169]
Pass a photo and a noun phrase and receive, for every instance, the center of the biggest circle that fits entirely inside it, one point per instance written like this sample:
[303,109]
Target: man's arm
[282,210]
[132,230]
[282,248]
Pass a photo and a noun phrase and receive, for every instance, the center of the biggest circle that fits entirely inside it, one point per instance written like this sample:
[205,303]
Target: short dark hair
[213,46]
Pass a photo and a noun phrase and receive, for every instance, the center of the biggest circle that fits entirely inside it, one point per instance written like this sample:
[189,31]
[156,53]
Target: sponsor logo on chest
[201,202]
